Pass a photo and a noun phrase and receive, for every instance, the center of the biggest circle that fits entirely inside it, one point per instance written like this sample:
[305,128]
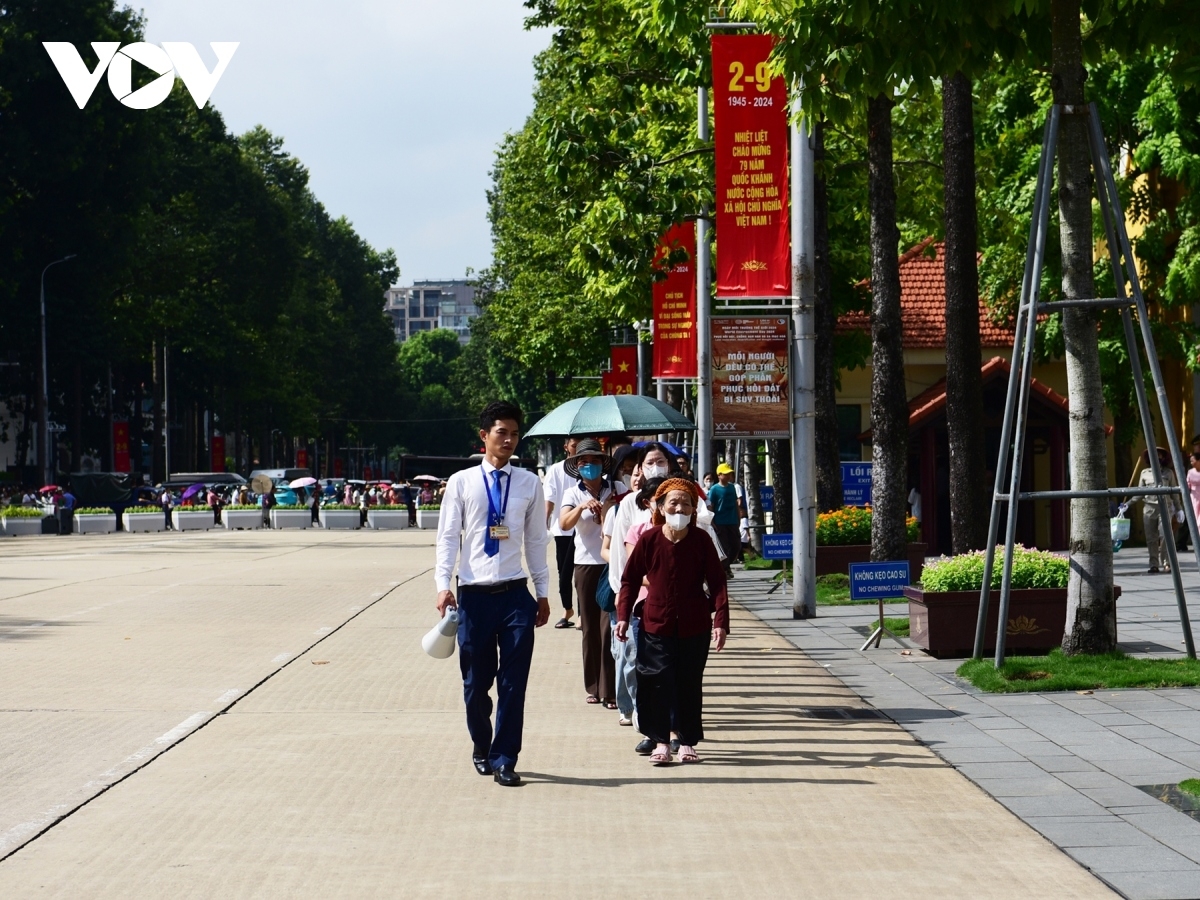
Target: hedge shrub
[1031,569]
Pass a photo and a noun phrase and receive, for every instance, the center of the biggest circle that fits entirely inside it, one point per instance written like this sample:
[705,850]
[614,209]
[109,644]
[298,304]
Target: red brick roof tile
[923,304]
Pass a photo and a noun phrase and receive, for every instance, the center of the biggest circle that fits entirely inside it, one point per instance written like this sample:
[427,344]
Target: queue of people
[647,580]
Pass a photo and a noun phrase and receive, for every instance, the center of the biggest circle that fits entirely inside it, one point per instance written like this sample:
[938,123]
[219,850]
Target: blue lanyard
[497,517]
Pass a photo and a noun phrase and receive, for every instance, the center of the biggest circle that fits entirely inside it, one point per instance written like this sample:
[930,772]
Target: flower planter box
[344,519]
[192,520]
[144,523]
[291,518]
[943,622]
[837,559]
[380,519]
[18,525]
[97,523]
[237,519]
[428,518]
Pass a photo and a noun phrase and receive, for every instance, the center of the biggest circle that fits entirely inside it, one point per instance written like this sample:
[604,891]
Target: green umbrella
[610,414]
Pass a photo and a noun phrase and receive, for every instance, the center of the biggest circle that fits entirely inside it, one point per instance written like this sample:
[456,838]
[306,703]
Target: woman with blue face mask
[583,509]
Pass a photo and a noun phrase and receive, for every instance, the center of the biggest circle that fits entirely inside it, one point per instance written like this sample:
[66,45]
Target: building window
[414,305]
[849,428]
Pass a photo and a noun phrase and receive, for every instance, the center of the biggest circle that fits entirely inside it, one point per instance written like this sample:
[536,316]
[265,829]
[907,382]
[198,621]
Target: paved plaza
[1073,765]
[249,714]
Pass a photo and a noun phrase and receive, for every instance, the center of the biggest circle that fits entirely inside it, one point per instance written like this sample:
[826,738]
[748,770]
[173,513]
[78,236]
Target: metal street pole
[804,444]
[702,459]
[166,412]
[47,456]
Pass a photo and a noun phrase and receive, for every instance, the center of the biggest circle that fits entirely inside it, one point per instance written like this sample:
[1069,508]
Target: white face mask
[627,480]
[678,521]
[649,472]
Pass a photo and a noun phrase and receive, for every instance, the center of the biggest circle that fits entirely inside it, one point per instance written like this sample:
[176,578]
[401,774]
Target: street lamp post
[47,457]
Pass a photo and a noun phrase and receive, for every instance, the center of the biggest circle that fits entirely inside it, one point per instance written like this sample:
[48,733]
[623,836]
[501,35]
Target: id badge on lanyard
[497,530]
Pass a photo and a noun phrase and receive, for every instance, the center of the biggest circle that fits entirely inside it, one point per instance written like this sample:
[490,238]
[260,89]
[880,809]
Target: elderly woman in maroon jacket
[676,559]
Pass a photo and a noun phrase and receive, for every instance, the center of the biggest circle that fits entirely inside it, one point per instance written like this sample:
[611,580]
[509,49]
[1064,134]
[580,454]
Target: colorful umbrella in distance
[192,491]
[610,414]
[261,484]
[48,488]
[302,482]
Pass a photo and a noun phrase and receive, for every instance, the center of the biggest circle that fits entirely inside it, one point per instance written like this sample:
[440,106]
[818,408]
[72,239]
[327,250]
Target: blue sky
[395,106]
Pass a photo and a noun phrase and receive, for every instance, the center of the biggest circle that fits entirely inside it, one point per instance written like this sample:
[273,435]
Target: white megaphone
[439,642]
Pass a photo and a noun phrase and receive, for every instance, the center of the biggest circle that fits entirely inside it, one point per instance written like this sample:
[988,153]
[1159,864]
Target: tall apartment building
[426,305]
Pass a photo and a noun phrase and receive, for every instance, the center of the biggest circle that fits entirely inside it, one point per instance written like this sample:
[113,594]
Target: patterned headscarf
[674,484]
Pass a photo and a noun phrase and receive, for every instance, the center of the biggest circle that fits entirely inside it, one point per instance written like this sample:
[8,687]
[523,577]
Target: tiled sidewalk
[1071,765]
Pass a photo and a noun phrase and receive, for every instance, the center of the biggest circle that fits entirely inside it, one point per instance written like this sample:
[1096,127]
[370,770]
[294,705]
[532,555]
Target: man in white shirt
[496,511]
[557,483]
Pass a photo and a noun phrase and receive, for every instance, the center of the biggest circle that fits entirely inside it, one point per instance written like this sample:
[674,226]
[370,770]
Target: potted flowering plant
[944,608]
[844,537]
[388,516]
[22,519]
[241,516]
[341,516]
[95,520]
[192,518]
[428,514]
[292,515]
[141,519]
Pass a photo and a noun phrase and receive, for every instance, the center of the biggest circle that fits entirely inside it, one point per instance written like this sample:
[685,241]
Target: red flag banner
[301,458]
[121,460]
[675,306]
[750,378]
[751,139]
[337,468]
[622,378]
[217,448]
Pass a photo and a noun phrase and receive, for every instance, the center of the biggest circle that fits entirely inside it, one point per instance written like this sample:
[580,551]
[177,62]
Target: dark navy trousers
[495,644]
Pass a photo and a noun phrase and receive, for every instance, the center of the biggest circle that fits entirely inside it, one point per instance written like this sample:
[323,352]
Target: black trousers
[564,558]
[730,537]
[670,676]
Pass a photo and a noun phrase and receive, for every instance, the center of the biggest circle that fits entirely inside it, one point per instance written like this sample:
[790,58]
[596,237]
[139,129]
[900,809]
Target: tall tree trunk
[77,417]
[781,471]
[969,508]
[829,469]
[1091,609]
[751,478]
[889,403]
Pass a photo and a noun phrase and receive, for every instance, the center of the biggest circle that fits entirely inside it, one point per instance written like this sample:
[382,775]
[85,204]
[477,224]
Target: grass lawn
[759,563]
[1075,673]
[1190,786]
[898,627]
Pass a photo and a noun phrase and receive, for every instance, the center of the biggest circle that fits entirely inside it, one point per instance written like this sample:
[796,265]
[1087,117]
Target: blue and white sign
[856,483]
[777,546]
[766,496]
[881,580]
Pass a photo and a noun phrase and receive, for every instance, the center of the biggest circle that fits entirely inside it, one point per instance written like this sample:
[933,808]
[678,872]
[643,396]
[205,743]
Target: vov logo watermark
[171,59]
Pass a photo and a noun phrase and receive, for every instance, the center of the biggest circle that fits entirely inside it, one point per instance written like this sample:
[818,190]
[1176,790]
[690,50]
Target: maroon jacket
[676,605]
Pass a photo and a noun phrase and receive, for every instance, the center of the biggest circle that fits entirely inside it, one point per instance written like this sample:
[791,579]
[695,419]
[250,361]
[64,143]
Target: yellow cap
[724,469]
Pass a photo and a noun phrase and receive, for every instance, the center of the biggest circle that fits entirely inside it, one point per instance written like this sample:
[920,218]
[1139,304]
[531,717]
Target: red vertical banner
[675,305]
[120,461]
[337,468]
[368,473]
[217,448]
[622,378]
[751,141]
[301,458]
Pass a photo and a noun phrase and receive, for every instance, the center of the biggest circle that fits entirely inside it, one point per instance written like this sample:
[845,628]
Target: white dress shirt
[464,517]
[588,537]
[616,526]
[557,482]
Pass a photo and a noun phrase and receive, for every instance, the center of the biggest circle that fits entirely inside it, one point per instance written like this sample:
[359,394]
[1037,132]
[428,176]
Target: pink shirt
[631,538]
[1193,483]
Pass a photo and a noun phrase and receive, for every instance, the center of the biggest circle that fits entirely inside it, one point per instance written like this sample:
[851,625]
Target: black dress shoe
[482,764]
[506,776]
[645,747]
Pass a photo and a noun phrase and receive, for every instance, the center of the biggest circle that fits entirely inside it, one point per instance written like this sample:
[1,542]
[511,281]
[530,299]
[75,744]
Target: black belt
[498,588]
